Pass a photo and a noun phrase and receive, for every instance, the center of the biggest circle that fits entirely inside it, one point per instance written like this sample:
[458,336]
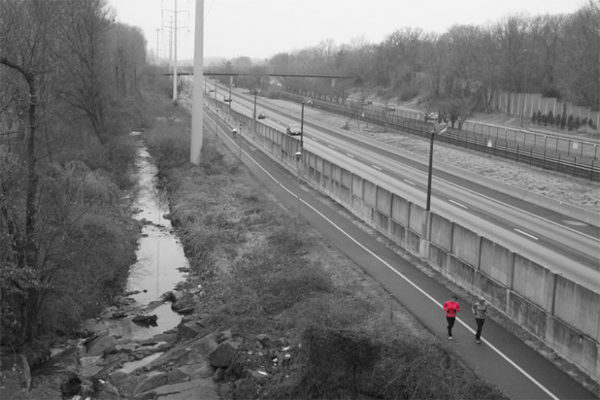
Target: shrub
[346,363]
[551,91]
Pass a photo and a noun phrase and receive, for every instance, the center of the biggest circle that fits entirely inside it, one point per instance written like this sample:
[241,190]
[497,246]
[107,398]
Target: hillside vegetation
[69,80]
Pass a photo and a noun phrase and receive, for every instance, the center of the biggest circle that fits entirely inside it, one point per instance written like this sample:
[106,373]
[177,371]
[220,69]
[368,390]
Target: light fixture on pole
[309,101]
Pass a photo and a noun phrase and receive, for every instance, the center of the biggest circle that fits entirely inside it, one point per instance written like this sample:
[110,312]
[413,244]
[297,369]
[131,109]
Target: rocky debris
[182,302]
[151,380]
[101,345]
[223,355]
[172,296]
[119,315]
[186,304]
[264,340]
[145,320]
[173,365]
[191,329]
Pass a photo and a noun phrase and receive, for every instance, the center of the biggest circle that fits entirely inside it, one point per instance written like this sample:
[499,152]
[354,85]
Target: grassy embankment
[262,274]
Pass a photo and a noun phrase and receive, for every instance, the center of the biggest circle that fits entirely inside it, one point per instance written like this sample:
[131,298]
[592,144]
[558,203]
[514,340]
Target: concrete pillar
[197,93]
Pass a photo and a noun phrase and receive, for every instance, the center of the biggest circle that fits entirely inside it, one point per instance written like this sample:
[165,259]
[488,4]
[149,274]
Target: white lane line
[349,155]
[525,233]
[459,204]
[427,295]
[409,182]
[376,167]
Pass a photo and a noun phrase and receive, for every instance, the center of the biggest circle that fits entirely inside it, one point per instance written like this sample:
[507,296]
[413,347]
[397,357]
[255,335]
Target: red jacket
[451,308]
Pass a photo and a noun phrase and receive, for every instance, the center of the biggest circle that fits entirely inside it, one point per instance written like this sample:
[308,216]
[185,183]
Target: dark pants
[450,325]
[480,322]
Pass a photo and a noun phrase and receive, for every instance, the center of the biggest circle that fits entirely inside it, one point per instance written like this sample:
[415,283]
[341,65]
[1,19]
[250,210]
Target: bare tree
[27,37]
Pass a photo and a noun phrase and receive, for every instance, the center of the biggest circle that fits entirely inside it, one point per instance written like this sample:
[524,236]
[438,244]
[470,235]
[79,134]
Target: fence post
[530,156]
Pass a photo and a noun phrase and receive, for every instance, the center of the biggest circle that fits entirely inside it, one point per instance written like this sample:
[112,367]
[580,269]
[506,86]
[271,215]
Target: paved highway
[502,359]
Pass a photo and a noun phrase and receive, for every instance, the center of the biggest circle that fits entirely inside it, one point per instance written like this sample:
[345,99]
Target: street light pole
[217,122]
[229,99]
[437,129]
[240,142]
[302,123]
[216,101]
[428,207]
[298,158]
[254,115]
[424,243]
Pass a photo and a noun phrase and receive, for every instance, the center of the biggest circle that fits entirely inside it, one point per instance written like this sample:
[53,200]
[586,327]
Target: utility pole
[175,53]
[170,62]
[157,56]
[197,93]
[173,27]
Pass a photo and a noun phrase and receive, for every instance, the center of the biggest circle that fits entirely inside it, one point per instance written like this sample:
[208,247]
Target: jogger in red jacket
[451,307]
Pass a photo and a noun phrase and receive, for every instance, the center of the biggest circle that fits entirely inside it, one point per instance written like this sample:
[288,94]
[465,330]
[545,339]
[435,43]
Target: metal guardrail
[532,151]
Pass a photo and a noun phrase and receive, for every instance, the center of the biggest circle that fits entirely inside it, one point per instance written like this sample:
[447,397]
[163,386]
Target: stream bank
[129,351]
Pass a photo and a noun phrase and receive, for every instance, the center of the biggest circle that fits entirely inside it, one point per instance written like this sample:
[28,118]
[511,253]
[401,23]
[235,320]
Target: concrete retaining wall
[559,312]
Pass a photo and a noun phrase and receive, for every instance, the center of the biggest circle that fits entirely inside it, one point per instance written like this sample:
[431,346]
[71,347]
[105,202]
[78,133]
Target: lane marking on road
[525,233]
[349,155]
[458,204]
[376,167]
[409,182]
[418,288]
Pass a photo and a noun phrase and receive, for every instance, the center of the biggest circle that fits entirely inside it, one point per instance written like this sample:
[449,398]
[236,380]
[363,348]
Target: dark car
[293,130]
[261,116]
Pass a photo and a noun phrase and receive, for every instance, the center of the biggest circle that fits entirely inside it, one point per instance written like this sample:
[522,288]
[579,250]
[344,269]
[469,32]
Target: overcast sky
[263,28]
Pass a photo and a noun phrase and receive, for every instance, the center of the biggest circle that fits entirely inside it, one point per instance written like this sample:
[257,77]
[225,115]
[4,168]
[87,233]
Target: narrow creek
[160,256]
[159,266]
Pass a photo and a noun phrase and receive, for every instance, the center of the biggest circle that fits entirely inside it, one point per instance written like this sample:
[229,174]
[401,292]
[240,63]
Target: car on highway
[293,130]
[261,116]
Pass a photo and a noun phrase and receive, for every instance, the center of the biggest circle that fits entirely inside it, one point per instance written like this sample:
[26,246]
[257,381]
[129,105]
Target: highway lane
[529,222]
[502,359]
